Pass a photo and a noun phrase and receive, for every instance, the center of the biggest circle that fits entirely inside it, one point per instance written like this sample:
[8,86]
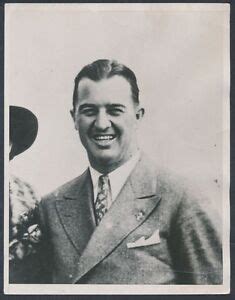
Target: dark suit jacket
[78,251]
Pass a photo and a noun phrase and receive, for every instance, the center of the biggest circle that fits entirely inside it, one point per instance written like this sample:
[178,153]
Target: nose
[102,121]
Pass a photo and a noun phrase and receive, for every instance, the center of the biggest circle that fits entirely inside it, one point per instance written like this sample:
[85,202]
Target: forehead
[112,89]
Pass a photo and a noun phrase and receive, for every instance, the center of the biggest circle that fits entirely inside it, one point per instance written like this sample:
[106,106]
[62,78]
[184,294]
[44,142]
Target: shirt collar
[117,177]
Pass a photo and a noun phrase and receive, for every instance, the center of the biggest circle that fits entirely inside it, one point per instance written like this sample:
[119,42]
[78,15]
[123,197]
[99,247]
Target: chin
[103,159]
[106,158]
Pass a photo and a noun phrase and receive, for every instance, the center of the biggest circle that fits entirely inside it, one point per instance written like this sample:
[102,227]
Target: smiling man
[107,118]
[123,221]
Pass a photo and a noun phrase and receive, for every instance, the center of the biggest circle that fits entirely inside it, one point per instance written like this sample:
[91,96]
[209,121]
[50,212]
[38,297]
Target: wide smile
[104,140]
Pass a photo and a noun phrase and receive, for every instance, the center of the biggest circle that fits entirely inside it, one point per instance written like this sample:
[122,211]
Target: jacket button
[70,276]
[140,215]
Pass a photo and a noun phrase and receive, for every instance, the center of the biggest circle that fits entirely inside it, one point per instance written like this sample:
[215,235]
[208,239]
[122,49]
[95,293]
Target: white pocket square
[152,240]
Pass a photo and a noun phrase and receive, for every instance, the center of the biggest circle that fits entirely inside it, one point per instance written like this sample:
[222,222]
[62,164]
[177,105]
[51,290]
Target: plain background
[180,58]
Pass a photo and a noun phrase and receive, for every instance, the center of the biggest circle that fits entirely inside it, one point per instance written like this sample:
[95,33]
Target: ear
[140,113]
[72,113]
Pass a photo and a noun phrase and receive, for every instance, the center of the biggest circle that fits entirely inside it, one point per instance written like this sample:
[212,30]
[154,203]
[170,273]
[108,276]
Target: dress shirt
[117,178]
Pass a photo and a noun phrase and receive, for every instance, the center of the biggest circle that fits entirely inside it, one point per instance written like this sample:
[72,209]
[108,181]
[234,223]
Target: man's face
[106,118]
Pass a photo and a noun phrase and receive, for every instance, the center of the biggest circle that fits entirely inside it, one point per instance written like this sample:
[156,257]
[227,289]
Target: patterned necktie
[101,203]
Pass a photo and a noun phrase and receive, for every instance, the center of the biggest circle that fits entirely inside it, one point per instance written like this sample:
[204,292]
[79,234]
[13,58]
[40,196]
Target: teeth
[104,137]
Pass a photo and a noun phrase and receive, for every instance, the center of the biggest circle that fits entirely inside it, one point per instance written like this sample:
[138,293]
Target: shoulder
[23,198]
[186,201]
[22,189]
[166,183]
[66,188]
[180,196]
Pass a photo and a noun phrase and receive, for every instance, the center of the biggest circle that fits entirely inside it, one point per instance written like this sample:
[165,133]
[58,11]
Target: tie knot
[104,181]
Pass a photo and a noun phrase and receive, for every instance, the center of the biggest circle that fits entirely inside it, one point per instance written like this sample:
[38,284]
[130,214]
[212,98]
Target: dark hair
[105,68]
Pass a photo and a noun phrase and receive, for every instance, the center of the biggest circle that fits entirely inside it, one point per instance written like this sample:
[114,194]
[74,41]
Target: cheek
[128,127]
[82,124]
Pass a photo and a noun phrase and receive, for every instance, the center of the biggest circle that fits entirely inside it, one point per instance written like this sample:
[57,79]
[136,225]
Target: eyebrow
[116,105]
[113,105]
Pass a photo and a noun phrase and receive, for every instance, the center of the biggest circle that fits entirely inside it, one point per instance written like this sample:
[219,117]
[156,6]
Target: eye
[114,111]
[88,111]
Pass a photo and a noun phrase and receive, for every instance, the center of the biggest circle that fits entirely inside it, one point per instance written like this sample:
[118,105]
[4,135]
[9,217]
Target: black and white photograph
[117,138]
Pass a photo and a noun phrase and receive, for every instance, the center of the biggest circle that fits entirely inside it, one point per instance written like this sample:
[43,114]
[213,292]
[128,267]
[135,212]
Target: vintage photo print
[117,149]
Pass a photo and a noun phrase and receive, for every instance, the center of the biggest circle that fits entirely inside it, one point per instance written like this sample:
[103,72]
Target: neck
[105,167]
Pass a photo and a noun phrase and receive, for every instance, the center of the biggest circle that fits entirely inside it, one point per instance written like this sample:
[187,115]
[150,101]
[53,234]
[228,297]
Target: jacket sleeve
[195,245]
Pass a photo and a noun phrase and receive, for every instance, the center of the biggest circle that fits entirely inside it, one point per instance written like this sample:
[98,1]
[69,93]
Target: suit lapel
[132,207]
[75,211]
